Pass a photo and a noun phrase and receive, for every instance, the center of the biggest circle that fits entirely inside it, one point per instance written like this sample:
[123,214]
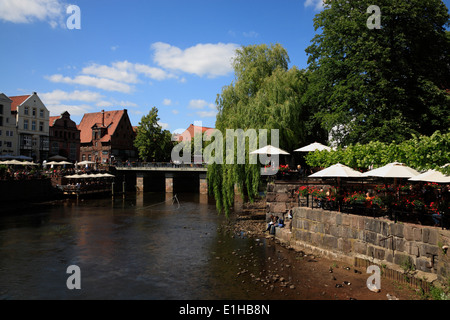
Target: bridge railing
[159,165]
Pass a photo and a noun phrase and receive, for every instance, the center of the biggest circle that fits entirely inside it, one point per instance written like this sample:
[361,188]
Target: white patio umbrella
[29,163]
[392,170]
[270,150]
[337,171]
[431,176]
[12,162]
[65,163]
[52,163]
[83,163]
[313,147]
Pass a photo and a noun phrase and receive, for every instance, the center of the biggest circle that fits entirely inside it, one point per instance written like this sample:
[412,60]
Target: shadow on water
[148,246]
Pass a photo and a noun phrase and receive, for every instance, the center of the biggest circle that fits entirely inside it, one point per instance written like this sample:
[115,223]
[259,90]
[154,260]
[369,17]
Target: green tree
[381,84]
[265,94]
[152,142]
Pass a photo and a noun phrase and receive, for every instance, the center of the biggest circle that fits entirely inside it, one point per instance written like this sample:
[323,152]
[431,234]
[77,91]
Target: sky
[137,54]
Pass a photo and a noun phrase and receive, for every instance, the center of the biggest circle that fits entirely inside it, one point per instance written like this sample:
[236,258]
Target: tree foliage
[421,153]
[382,84]
[265,94]
[153,143]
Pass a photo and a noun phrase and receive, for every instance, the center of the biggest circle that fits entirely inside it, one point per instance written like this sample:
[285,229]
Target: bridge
[151,175]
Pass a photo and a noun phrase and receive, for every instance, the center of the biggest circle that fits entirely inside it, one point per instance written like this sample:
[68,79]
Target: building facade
[64,137]
[32,122]
[107,136]
[8,130]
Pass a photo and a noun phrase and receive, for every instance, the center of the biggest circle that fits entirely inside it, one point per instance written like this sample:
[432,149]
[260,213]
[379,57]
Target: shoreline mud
[299,275]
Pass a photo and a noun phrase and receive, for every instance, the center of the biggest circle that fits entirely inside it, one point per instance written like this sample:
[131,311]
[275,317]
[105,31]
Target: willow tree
[384,83]
[265,94]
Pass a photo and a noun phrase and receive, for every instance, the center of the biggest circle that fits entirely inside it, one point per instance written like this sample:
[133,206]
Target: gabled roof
[52,120]
[189,133]
[110,121]
[17,101]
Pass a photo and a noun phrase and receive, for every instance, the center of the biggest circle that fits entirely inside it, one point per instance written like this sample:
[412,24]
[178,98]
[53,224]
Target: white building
[8,132]
[32,122]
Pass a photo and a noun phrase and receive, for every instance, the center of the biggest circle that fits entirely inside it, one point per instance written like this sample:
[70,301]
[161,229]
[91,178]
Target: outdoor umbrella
[431,176]
[28,163]
[337,171]
[270,150]
[52,163]
[313,147]
[65,162]
[392,170]
[57,158]
[83,163]
[12,162]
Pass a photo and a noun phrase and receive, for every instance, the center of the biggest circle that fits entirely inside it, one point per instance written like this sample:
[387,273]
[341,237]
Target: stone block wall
[281,197]
[383,242]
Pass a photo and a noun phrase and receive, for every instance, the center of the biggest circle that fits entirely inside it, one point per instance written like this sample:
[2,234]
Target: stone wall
[281,197]
[349,237]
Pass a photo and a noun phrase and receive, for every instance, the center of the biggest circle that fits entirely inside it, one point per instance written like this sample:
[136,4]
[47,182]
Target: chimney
[103,118]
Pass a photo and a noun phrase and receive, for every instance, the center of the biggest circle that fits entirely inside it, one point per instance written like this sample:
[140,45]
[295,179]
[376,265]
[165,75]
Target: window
[8,144]
[34,112]
[0,132]
[9,133]
[41,113]
[41,126]
[1,109]
[83,157]
[26,141]
[26,111]
[25,124]
[90,157]
[33,125]
[1,121]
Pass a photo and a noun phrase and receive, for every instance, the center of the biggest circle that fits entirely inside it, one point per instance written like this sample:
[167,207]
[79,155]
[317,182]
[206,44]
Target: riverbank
[306,276]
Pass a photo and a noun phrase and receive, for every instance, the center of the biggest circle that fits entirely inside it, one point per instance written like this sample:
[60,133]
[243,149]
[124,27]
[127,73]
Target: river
[143,247]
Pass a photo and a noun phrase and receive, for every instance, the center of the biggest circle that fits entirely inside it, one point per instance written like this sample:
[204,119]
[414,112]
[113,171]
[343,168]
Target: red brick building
[190,132]
[107,136]
[64,137]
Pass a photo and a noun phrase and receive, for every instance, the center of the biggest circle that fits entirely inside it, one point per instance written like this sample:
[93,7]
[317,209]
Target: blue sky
[136,54]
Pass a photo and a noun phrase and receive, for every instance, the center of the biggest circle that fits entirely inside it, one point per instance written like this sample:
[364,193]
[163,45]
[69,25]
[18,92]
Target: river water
[141,247]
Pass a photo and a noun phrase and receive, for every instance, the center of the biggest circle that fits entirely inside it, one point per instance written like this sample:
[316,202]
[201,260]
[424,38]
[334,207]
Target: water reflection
[147,246]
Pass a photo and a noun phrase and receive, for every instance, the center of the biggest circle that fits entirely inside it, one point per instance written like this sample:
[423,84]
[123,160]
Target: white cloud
[29,11]
[58,101]
[153,73]
[317,4]
[119,76]
[74,110]
[116,103]
[200,104]
[207,114]
[100,83]
[167,102]
[251,34]
[163,125]
[56,96]
[175,112]
[211,60]
[120,71]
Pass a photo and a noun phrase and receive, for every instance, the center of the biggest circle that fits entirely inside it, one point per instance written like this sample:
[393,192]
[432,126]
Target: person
[269,222]
[290,214]
[437,218]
